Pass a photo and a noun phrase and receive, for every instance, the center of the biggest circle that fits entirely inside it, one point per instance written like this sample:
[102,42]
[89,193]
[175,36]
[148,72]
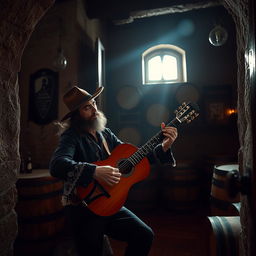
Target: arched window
[164,63]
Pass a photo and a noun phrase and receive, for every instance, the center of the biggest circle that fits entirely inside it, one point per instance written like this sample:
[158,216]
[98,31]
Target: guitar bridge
[96,192]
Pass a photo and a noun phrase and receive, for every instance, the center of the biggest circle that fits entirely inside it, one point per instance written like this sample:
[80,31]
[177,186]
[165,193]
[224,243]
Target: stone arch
[18,20]
[240,13]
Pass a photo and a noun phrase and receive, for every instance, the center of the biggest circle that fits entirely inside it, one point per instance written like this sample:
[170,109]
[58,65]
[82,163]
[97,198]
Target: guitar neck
[148,147]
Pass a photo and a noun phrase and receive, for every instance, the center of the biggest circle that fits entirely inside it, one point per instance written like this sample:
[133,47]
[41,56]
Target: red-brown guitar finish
[105,206]
[128,155]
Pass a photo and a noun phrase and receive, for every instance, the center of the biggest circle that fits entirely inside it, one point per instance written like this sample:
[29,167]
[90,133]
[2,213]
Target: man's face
[89,111]
[90,118]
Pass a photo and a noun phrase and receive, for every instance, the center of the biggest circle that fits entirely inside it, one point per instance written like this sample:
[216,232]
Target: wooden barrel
[181,187]
[209,162]
[224,236]
[219,195]
[40,213]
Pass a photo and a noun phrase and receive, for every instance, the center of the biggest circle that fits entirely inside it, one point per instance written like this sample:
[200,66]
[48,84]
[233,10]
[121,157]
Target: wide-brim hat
[76,97]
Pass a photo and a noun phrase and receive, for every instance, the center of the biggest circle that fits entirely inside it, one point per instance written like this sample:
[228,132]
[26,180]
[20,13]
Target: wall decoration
[43,96]
[218,36]
[218,100]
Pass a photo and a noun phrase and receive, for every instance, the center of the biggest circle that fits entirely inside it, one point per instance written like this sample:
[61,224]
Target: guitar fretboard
[148,147]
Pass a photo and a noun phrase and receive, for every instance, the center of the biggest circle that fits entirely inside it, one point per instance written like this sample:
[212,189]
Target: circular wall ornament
[218,36]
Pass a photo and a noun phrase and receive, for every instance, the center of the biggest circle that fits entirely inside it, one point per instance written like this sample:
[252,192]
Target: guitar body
[108,205]
[105,200]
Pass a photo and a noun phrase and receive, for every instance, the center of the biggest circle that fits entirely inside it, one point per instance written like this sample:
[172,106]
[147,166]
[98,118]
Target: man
[85,141]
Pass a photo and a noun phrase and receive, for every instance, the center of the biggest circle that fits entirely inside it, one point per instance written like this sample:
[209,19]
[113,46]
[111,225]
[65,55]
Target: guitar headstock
[187,112]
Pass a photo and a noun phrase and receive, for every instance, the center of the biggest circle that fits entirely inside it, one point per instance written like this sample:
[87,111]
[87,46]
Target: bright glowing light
[164,68]
[231,111]
[169,66]
[155,69]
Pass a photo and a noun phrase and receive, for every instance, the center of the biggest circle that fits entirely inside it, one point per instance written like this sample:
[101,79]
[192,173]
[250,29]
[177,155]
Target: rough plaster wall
[17,23]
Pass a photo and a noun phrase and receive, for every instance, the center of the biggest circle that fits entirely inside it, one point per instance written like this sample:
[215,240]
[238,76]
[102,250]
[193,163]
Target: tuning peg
[184,104]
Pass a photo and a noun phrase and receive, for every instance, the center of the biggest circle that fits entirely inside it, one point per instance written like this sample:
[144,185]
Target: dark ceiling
[125,11]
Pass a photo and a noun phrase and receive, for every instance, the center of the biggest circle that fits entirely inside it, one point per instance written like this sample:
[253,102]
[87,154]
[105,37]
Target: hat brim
[95,95]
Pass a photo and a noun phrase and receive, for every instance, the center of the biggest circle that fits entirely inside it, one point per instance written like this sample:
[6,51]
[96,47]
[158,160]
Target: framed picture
[43,96]
[217,102]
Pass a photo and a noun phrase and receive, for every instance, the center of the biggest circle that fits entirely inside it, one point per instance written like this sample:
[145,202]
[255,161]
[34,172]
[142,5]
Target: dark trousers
[89,229]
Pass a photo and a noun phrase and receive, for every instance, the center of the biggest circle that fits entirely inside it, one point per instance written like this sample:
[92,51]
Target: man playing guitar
[84,141]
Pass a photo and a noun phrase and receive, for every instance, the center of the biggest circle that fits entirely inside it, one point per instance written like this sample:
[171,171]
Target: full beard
[97,122]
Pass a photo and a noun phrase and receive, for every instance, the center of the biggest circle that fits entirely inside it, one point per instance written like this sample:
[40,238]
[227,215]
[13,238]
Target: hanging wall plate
[43,96]
[218,36]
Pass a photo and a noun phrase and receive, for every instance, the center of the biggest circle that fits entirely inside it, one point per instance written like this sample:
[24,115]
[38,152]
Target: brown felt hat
[76,97]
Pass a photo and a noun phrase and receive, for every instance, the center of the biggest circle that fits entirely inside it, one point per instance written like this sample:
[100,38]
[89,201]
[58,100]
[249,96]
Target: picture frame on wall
[217,103]
[43,96]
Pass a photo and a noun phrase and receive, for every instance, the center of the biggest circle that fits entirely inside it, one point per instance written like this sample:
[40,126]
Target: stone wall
[18,20]
[240,12]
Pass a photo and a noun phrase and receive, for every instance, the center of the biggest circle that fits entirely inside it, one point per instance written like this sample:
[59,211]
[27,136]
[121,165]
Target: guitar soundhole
[125,167]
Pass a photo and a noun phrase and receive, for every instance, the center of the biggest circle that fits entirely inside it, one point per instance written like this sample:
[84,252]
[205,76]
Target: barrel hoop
[218,183]
[36,182]
[231,240]
[220,236]
[224,205]
[220,172]
[40,196]
[42,218]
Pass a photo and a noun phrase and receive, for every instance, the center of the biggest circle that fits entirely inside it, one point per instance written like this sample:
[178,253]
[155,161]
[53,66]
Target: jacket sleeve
[63,165]
[160,157]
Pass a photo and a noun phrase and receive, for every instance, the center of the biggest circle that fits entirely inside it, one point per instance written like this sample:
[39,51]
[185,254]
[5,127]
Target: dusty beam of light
[185,28]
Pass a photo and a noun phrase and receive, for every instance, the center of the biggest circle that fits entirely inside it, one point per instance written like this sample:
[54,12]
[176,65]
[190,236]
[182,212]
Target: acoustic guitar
[105,200]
